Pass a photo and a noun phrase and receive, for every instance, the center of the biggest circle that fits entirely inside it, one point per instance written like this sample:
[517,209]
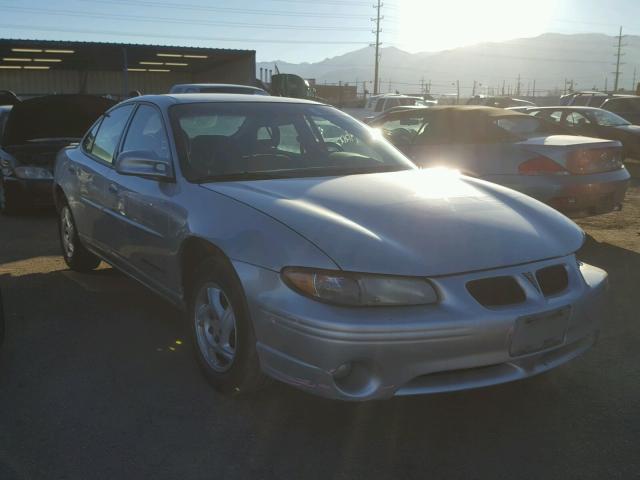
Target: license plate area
[541,331]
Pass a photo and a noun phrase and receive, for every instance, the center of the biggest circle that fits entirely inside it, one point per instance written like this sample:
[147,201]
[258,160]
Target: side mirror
[145,164]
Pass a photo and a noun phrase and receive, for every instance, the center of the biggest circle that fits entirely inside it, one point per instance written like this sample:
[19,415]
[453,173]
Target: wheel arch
[193,251]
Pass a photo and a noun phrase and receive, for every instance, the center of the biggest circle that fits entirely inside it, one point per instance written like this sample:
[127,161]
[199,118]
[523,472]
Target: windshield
[608,119]
[523,126]
[271,140]
[411,101]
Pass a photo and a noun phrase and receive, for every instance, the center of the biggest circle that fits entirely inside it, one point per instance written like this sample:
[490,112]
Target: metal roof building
[38,67]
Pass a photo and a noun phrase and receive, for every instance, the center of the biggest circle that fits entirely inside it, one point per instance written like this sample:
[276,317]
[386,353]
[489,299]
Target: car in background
[335,266]
[628,107]
[4,114]
[35,130]
[584,99]
[499,102]
[593,122]
[217,88]
[579,176]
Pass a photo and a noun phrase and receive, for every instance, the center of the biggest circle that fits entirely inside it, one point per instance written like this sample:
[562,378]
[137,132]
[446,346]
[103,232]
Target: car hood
[416,222]
[53,116]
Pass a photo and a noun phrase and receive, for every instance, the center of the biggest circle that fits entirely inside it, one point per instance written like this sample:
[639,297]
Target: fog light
[342,371]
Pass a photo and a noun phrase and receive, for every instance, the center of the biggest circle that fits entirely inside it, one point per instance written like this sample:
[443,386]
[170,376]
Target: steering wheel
[333,147]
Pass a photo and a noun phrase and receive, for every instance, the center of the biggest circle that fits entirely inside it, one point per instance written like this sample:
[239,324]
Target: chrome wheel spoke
[215,325]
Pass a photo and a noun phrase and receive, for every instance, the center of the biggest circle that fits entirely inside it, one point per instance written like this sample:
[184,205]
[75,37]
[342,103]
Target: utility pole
[618,64]
[633,84]
[606,84]
[422,86]
[458,92]
[534,89]
[378,6]
[473,91]
[503,88]
[518,87]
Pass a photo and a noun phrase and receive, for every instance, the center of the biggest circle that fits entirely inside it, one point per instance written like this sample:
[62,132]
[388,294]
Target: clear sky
[310,30]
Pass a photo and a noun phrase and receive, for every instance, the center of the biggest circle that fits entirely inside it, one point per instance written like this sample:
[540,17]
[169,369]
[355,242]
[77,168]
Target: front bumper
[454,345]
[574,195]
[30,192]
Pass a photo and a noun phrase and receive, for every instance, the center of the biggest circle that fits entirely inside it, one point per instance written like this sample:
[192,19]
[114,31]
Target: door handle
[113,188]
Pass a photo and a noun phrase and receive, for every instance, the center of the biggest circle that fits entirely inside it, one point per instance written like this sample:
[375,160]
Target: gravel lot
[97,380]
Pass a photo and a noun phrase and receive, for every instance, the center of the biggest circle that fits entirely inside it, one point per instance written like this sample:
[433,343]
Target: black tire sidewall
[245,368]
[82,260]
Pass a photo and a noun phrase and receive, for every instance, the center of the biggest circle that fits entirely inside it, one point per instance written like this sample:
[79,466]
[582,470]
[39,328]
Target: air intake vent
[496,291]
[552,280]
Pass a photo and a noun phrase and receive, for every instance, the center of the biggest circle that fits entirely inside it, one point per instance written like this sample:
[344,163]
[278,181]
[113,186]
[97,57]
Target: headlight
[359,289]
[32,173]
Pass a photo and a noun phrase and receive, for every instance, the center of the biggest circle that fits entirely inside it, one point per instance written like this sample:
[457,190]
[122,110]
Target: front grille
[552,280]
[496,291]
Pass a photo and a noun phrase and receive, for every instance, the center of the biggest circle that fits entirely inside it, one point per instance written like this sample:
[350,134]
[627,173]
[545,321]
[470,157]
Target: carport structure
[39,67]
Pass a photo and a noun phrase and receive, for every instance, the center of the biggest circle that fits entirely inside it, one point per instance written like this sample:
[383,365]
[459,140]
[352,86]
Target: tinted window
[402,130]
[581,100]
[555,116]
[576,119]
[523,126]
[276,140]
[626,105]
[146,133]
[109,133]
[379,105]
[608,119]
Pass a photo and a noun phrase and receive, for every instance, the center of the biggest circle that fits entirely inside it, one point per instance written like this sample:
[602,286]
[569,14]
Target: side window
[575,119]
[87,143]
[581,100]
[146,132]
[402,130]
[289,141]
[555,117]
[109,133]
[379,105]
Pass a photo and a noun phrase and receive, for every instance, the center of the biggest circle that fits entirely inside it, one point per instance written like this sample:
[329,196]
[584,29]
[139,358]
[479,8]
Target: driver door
[148,221]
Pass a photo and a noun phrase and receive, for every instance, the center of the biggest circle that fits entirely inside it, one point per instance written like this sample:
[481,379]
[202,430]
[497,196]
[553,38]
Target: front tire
[76,256]
[223,337]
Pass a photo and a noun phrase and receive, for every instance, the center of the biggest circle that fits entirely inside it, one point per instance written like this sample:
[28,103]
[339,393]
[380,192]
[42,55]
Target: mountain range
[586,61]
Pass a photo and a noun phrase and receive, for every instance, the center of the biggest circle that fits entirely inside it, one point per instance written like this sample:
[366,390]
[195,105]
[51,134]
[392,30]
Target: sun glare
[433,26]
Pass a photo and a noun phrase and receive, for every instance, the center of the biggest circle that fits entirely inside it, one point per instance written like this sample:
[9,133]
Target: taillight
[541,166]
[594,160]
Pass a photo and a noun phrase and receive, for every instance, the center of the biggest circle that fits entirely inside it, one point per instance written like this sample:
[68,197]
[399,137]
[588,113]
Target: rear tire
[75,255]
[223,337]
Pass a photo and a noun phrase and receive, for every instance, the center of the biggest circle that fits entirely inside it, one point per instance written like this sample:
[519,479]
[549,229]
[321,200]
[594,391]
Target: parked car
[4,114]
[628,107]
[593,122]
[499,102]
[584,99]
[378,104]
[332,265]
[35,130]
[577,175]
[217,88]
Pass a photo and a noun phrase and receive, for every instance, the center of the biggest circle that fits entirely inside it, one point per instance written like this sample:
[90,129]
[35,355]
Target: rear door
[91,166]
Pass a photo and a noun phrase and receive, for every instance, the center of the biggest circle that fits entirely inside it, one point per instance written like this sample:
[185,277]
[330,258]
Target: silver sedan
[304,247]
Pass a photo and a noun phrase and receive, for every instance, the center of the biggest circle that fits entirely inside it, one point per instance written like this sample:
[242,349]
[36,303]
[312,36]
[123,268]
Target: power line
[181,37]
[243,11]
[149,19]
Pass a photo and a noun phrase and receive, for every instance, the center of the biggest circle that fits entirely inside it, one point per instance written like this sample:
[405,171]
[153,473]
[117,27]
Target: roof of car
[221,85]
[481,109]
[179,98]
[565,107]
